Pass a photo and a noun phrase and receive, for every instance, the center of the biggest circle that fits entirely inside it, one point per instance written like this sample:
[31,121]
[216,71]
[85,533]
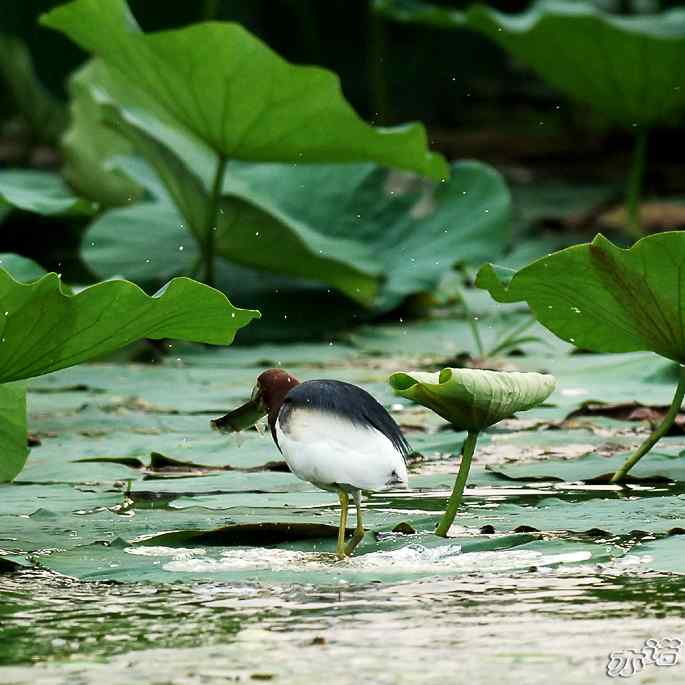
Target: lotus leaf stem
[467,450]
[473,325]
[635,180]
[211,227]
[658,432]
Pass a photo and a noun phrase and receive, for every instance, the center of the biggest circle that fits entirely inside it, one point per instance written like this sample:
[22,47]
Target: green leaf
[227,88]
[141,243]
[473,399]
[625,516]
[43,329]
[408,227]
[21,268]
[13,448]
[88,144]
[664,555]
[42,192]
[417,232]
[249,229]
[46,114]
[604,298]
[594,468]
[626,67]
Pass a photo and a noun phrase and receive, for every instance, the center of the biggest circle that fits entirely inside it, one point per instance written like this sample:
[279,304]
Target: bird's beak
[244,416]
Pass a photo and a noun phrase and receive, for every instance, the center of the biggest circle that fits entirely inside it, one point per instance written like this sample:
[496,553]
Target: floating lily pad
[593,468]
[665,554]
[391,560]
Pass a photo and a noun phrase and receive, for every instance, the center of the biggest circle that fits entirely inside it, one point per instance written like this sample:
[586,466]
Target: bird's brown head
[267,397]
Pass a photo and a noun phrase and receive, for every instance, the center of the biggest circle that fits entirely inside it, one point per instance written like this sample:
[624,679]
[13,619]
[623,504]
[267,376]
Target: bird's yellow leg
[344,504]
[359,530]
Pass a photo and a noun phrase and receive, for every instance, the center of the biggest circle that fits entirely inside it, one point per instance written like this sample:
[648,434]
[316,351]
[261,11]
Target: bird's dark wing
[346,401]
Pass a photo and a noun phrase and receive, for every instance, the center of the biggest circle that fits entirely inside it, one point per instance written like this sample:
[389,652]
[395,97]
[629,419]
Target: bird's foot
[356,538]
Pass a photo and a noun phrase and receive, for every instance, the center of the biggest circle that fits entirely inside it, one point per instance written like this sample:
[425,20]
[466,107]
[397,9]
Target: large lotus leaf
[42,192]
[604,298]
[417,232]
[626,67]
[473,399]
[13,446]
[414,232]
[43,329]
[229,89]
[247,232]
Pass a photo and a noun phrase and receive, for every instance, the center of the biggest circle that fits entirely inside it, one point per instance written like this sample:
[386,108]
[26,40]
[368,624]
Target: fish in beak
[245,416]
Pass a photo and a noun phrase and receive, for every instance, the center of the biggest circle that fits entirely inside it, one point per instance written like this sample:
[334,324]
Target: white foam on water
[256,558]
[413,558]
[176,552]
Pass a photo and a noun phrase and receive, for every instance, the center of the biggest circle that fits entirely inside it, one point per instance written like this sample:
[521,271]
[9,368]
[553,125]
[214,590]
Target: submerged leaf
[604,298]
[473,399]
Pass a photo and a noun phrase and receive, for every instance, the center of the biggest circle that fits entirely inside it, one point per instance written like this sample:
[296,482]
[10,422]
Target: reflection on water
[547,621]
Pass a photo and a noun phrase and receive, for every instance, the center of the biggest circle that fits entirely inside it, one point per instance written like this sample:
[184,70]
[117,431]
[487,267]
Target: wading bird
[331,434]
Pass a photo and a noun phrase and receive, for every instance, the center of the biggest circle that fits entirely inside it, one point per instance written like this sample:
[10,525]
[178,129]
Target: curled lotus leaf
[473,399]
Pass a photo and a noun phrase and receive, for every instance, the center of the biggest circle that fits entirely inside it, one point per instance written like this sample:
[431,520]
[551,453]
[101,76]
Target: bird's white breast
[327,450]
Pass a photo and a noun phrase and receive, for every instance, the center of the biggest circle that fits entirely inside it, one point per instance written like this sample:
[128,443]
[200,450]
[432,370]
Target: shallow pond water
[532,626]
[144,568]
